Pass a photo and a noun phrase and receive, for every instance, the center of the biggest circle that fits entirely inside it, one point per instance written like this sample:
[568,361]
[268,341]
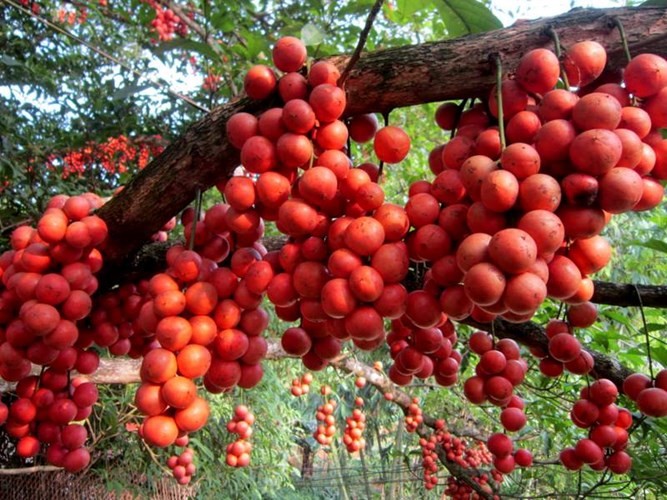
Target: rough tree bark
[381,81]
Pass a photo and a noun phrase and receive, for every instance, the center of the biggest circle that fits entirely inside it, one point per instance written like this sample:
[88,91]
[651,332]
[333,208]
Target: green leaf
[255,43]
[659,353]
[222,21]
[653,244]
[10,61]
[618,317]
[463,17]
[656,327]
[404,10]
[654,3]
[311,34]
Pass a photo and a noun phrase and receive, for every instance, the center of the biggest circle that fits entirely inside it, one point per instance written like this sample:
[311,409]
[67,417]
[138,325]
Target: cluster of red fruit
[499,370]
[47,279]
[301,386]
[211,82]
[353,435]
[414,417]
[72,17]
[238,452]
[340,272]
[650,395]
[200,319]
[456,451]
[423,351]
[182,466]
[608,436]
[564,349]
[115,155]
[34,6]
[457,489]
[505,458]
[523,222]
[429,455]
[326,429]
[166,23]
[43,412]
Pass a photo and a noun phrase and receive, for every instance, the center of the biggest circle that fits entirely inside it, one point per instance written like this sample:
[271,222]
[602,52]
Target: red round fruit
[289,54]
[260,82]
[499,444]
[391,144]
[538,71]
[653,402]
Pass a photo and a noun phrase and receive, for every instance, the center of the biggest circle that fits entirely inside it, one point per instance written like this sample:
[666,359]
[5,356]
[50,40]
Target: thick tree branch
[625,295]
[381,81]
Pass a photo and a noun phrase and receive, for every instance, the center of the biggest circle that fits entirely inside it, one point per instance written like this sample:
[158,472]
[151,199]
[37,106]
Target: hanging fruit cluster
[48,278]
[238,452]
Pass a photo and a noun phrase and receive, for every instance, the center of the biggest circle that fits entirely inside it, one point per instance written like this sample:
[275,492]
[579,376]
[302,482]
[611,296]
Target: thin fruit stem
[554,36]
[560,310]
[457,117]
[499,98]
[646,335]
[385,118]
[624,39]
[362,41]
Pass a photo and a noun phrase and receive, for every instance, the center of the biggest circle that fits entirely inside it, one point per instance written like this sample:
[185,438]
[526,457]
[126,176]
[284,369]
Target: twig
[3,229]
[30,470]
[362,41]
[646,335]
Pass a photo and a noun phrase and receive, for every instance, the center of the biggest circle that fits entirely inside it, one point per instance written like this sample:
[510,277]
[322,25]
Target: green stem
[396,479]
[385,117]
[457,118]
[364,469]
[339,475]
[552,33]
[499,98]
[624,39]
[646,335]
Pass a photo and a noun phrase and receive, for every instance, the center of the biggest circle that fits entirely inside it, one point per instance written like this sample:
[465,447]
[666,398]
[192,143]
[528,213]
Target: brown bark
[381,81]
[628,295]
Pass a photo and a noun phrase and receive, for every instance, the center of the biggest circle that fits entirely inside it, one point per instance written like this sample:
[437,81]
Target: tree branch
[381,81]
[625,295]
[29,470]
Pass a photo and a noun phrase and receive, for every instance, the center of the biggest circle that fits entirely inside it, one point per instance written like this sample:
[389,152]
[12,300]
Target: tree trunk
[381,81]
